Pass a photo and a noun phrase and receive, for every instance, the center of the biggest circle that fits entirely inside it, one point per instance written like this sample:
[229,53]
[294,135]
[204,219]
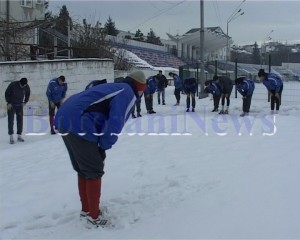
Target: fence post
[235,75]
[269,97]
[197,74]
[216,68]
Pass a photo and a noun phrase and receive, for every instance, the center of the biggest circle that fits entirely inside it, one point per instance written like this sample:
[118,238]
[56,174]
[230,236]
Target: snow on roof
[140,63]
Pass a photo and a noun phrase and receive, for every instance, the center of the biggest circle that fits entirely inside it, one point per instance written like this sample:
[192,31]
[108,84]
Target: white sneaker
[95,223]
[83,215]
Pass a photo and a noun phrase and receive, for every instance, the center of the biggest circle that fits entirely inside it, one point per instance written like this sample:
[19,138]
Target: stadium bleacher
[156,58]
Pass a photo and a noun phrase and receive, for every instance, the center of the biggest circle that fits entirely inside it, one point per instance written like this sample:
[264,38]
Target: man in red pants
[90,122]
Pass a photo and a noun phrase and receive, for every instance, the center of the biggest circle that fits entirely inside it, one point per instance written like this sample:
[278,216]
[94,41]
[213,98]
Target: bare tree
[19,35]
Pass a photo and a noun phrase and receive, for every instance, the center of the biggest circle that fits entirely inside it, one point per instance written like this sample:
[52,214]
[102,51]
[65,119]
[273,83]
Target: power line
[156,15]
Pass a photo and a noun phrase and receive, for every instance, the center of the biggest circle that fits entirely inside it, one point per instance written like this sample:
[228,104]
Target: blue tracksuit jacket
[213,89]
[55,92]
[273,82]
[177,82]
[151,85]
[97,114]
[246,88]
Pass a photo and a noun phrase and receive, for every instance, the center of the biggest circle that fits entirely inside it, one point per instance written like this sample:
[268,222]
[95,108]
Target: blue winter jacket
[151,85]
[97,114]
[190,85]
[246,88]
[55,92]
[273,82]
[213,89]
[177,81]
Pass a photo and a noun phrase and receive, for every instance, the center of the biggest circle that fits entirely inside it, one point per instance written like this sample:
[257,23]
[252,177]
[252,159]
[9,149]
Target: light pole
[268,37]
[235,14]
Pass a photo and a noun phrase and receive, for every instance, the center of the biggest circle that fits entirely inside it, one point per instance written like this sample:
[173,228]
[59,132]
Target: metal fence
[291,88]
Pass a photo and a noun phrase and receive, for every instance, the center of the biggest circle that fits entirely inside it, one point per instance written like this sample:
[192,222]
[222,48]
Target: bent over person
[90,122]
[245,87]
[226,85]
[190,89]
[56,92]
[162,83]
[274,85]
[17,95]
[213,88]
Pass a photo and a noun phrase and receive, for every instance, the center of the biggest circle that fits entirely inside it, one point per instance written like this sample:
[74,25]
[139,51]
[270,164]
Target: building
[18,23]
[188,45]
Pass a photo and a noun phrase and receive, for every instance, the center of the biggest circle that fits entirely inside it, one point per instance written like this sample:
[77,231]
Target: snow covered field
[172,175]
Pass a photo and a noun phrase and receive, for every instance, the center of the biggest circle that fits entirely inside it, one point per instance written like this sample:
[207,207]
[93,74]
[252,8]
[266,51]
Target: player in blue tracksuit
[178,86]
[274,85]
[245,87]
[90,122]
[213,88]
[148,94]
[56,92]
[190,88]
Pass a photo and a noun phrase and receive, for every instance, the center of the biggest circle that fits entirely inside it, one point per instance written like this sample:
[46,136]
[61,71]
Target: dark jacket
[97,114]
[162,82]
[190,85]
[246,87]
[225,84]
[17,95]
[55,92]
[95,83]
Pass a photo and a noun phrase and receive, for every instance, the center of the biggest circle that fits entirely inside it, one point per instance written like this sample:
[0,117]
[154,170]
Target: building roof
[214,38]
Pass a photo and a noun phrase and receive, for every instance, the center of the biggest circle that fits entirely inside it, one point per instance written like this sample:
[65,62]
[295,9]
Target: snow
[140,63]
[172,175]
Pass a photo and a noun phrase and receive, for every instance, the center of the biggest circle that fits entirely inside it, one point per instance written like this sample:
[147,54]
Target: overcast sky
[279,19]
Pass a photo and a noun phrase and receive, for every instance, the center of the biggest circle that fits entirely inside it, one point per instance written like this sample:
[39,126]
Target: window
[39,1]
[26,3]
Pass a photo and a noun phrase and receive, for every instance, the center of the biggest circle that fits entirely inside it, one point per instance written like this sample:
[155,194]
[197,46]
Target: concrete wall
[78,73]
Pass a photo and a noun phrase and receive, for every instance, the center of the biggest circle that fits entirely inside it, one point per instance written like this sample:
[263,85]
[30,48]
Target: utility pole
[202,75]
[69,38]
[7,35]
[235,14]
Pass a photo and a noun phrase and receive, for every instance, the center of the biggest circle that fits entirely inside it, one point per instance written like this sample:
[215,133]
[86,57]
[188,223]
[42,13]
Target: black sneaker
[20,139]
[244,114]
[187,110]
[193,110]
[215,110]
[133,116]
[139,115]
[222,112]
[53,132]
